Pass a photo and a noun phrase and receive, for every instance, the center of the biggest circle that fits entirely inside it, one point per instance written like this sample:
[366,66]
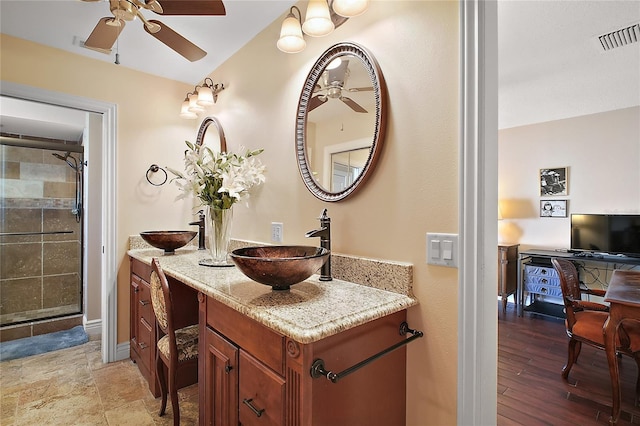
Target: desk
[623,296]
[543,258]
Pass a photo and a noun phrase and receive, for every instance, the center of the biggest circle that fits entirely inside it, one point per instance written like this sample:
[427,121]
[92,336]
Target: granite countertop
[308,312]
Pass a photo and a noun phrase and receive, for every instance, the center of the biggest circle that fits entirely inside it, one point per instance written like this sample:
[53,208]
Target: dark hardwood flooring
[532,350]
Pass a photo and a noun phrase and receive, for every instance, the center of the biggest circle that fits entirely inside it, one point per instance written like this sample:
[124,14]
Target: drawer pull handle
[144,302]
[227,369]
[544,281]
[143,345]
[136,289]
[248,403]
[543,272]
[543,290]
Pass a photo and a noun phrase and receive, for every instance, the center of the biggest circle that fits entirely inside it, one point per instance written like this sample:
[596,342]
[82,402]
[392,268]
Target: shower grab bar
[22,234]
[318,369]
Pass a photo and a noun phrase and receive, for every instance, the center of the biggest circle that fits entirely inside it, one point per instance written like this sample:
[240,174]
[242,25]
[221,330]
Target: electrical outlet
[276,232]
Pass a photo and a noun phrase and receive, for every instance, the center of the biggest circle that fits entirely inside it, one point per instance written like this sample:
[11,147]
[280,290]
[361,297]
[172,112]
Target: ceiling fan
[106,32]
[334,79]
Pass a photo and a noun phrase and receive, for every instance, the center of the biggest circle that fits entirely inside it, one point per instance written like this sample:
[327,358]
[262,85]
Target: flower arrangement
[219,179]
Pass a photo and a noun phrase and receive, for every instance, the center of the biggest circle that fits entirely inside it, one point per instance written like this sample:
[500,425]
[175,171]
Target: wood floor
[531,353]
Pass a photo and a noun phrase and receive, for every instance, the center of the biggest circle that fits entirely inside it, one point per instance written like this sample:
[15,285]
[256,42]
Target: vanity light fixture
[318,21]
[350,8]
[291,40]
[323,16]
[203,95]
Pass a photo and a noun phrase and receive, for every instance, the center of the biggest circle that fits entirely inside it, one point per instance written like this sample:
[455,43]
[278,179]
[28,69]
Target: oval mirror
[211,134]
[341,120]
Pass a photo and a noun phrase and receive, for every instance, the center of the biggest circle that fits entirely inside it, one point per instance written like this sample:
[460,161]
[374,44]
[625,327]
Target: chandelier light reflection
[203,96]
[321,18]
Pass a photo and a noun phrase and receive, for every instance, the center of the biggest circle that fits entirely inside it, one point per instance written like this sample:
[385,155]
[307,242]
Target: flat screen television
[606,233]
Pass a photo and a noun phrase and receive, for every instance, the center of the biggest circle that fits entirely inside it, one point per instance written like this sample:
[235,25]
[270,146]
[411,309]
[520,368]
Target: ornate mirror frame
[208,121]
[378,133]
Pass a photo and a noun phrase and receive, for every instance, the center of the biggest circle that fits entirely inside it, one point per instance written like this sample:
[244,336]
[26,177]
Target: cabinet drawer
[262,342]
[141,269]
[144,307]
[540,271]
[548,290]
[545,281]
[262,393]
[144,343]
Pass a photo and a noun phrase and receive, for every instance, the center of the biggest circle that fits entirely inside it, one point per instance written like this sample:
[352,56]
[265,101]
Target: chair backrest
[570,284]
[161,301]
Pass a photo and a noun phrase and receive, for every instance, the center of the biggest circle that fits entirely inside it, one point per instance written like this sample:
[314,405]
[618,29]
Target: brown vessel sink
[279,266]
[168,241]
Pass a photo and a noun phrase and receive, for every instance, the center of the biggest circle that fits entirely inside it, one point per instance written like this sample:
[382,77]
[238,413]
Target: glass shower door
[40,233]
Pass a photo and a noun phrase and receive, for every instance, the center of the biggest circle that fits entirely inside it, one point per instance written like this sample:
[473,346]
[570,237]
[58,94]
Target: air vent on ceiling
[621,37]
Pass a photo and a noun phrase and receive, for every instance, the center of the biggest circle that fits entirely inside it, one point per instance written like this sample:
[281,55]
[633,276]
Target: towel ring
[153,169]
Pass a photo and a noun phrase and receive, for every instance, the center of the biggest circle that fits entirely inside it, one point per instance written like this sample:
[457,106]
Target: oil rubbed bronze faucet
[324,232]
[200,223]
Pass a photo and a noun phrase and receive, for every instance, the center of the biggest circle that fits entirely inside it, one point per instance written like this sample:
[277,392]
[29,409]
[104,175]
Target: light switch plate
[442,249]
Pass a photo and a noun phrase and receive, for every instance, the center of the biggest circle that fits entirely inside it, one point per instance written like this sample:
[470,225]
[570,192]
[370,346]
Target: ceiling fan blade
[192,7]
[352,104]
[104,35]
[360,89]
[316,101]
[176,42]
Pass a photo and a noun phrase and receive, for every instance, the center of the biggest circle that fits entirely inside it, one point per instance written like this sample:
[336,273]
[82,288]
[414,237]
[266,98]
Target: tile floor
[73,387]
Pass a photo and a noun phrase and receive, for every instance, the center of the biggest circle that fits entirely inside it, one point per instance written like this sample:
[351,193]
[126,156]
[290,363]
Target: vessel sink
[168,241]
[279,266]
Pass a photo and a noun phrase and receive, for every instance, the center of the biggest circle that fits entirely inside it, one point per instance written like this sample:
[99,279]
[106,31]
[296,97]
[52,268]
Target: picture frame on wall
[553,208]
[553,181]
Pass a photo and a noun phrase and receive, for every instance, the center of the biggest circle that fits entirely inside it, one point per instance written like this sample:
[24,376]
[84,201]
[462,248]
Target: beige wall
[603,156]
[413,191]
[414,188]
[148,131]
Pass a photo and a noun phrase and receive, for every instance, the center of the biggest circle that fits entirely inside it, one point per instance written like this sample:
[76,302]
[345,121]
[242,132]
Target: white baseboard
[92,327]
[122,351]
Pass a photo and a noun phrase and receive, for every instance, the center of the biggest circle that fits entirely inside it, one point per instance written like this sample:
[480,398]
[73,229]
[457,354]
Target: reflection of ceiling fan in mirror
[106,32]
[334,79]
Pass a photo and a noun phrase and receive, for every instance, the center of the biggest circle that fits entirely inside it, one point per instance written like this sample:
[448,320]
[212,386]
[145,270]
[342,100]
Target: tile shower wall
[40,274]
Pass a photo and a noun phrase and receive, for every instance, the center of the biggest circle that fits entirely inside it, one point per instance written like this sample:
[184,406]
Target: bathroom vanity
[258,346]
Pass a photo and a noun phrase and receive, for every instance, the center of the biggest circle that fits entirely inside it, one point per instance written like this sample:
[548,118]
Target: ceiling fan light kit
[322,17]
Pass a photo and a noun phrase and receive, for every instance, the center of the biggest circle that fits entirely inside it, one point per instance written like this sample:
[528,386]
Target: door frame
[478,201]
[108,264]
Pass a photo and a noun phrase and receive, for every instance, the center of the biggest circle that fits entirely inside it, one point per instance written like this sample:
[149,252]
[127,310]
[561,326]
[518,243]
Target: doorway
[99,230]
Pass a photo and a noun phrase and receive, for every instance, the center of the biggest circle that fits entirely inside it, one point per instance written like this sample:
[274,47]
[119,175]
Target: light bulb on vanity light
[318,21]
[184,110]
[205,96]
[350,8]
[193,104]
[291,39]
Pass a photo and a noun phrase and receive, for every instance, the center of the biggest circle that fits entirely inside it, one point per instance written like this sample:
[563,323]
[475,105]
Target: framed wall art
[553,208]
[553,182]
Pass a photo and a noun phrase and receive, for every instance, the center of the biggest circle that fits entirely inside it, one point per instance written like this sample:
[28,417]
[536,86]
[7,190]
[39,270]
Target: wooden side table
[507,272]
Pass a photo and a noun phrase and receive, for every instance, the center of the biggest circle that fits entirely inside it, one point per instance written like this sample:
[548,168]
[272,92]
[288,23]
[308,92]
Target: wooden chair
[175,348]
[585,320]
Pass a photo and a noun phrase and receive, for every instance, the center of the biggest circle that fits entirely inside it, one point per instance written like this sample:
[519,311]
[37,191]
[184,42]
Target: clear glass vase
[218,230]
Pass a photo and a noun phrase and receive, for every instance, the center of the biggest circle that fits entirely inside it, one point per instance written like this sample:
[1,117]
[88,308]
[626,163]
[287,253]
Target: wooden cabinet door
[262,393]
[220,382]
